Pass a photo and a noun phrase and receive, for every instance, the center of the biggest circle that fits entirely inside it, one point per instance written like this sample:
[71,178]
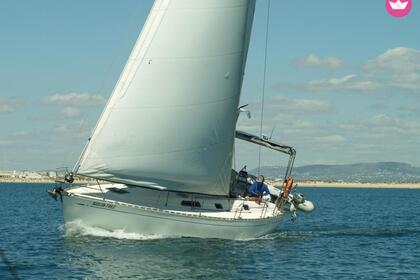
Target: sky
[343,79]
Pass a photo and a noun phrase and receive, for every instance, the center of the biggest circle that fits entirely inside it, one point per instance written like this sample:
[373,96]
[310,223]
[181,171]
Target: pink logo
[398,8]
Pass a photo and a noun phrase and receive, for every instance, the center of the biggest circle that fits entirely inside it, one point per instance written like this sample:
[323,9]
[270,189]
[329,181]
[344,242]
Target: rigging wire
[264,83]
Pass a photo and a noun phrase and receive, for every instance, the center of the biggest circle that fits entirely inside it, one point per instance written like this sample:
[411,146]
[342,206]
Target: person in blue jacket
[259,188]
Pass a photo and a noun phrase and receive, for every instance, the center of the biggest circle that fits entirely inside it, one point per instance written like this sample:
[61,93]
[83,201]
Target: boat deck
[178,203]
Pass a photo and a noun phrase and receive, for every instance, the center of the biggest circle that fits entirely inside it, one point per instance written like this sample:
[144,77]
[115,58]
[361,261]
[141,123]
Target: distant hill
[379,172]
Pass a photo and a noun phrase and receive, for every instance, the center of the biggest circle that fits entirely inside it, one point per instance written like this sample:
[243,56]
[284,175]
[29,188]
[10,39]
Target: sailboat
[161,154]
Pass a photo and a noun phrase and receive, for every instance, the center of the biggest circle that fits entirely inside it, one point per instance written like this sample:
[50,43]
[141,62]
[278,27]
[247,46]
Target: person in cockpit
[259,189]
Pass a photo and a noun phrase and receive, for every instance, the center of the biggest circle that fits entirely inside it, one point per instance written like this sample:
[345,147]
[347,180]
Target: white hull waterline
[242,219]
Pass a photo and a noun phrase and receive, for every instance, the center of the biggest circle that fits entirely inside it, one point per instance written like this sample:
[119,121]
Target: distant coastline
[304,184]
[376,172]
[359,185]
[37,180]
[353,185]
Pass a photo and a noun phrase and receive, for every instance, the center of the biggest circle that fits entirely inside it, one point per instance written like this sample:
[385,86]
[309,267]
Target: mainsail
[170,121]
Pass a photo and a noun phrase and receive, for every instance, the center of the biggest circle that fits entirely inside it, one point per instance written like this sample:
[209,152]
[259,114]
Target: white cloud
[70,112]
[379,137]
[21,133]
[75,99]
[398,59]
[328,139]
[284,114]
[384,127]
[329,62]
[410,109]
[6,142]
[383,120]
[12,138]
[73,131]
[349,82]
[8,106]
[398,67]
[395,69]
[281,103]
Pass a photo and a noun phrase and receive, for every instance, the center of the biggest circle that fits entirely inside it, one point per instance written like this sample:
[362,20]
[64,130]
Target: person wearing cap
[259,188]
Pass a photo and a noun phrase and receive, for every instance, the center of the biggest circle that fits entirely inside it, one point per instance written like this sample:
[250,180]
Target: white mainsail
[170,121]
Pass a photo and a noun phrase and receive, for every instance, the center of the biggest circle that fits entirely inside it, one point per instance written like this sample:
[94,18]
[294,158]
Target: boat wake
[78,228]
[282,235]
[356,232]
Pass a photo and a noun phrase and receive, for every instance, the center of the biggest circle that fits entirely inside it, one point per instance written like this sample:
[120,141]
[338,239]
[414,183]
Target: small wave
[379,233]
[368,232]
[284,235]
[78,228]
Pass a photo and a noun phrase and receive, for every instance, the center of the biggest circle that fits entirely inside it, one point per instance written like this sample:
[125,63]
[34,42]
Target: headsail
[170,122]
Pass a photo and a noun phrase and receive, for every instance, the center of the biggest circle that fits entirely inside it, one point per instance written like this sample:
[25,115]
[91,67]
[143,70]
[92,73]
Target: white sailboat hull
[154,221]
[167,133]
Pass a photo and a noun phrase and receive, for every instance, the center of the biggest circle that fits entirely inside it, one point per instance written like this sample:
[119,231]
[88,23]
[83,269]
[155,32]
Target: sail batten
[170,121]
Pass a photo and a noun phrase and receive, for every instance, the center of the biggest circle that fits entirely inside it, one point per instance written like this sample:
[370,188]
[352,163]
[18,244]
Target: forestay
[170,121]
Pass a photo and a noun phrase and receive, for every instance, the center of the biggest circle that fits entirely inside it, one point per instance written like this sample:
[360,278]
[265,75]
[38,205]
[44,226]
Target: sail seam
[192,57]
[174,106]
[164,153]
[204,9]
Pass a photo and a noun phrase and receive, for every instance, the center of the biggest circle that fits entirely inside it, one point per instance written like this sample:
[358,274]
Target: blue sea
[353,234]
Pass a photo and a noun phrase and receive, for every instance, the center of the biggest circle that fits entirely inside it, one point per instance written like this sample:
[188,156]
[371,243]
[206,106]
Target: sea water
[352,234]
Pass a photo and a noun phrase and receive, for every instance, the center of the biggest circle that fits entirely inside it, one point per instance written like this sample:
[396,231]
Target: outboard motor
[69,177]
[299,203]
[56,192]
[298,198]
